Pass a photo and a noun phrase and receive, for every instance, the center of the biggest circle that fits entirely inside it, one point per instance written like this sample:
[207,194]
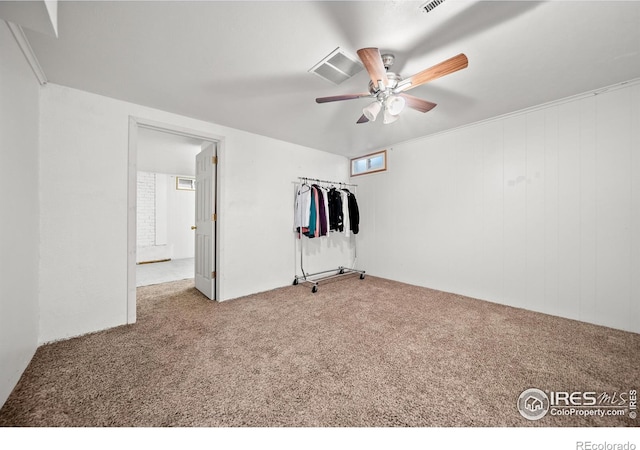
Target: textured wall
[84,248]
[539,210]
[19,225]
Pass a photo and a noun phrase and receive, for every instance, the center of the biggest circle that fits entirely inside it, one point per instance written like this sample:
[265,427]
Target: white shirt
[302,207]
[345,213]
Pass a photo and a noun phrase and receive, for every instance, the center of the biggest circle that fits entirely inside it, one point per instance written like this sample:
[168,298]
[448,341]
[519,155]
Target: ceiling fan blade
[417,103]
[451,65]
[373,63]
[337,98]
[362,119]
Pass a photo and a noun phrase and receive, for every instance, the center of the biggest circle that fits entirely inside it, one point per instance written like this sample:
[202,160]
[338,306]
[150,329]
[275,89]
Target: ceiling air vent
[429,6]
[337,67]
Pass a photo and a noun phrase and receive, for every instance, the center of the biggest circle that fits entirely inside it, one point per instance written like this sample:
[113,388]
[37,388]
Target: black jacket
[354,212]
[335,210]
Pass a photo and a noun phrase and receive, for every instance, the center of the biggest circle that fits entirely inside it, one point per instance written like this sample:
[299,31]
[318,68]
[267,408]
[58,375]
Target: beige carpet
[359,353]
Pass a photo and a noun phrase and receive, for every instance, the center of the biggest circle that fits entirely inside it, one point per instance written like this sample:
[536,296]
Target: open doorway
[165,206]
[162,193]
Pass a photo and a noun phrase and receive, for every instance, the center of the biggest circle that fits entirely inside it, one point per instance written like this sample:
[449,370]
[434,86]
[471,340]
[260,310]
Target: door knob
[193,227]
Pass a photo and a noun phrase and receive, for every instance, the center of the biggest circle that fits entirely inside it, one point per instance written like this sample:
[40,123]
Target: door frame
[134,124]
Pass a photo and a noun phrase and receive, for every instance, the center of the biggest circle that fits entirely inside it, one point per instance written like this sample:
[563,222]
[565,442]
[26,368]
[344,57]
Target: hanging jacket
[335,210]
[354,212]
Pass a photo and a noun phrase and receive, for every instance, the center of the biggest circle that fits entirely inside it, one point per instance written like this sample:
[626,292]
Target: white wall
[84,168]
[539,210]
[180,214]
[164,218]
[257,216]
[19,222]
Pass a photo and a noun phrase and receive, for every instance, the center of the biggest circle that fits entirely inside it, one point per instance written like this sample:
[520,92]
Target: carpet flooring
[358,353]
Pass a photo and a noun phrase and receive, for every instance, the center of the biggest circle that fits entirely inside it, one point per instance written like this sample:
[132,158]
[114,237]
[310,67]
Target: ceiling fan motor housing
[393,78]
[387,60]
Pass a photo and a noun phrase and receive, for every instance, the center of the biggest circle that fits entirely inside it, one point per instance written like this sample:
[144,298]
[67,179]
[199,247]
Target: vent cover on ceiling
[337,67]
[429,6]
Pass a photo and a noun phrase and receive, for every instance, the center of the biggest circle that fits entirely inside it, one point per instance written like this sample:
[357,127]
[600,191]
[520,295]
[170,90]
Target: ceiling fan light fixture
[388,117]
[371,111]
[395,105]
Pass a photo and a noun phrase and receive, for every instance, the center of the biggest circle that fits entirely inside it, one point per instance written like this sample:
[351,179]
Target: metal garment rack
[314,278]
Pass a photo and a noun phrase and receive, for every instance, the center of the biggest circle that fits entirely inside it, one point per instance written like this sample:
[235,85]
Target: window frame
[181,188]
[369,157]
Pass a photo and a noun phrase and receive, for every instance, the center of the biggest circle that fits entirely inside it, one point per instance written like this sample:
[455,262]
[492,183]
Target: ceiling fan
[389,88]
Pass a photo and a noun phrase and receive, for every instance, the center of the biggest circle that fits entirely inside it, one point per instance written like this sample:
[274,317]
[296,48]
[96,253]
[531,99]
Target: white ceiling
[245,64]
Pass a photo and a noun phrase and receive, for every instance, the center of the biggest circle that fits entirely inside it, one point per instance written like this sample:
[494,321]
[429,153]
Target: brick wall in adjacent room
[146,213]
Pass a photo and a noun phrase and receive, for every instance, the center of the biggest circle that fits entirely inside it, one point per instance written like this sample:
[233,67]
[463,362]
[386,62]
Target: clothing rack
[316,277]
[305,179]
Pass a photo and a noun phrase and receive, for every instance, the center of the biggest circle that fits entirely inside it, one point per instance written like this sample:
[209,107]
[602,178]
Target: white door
[205,242]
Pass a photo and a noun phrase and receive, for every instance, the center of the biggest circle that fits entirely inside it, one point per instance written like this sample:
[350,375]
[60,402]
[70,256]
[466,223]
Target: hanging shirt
[302,207]
[326,206]
[313,214]
[322,212]
[316,200]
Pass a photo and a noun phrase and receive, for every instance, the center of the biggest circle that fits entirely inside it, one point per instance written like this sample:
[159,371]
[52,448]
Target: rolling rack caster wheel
[362,276]
[295,282]
[314,289]
[341,271]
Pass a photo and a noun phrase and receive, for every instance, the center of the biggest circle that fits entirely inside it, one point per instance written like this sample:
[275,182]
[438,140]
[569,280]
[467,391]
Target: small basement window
[373,162]
[185,184]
